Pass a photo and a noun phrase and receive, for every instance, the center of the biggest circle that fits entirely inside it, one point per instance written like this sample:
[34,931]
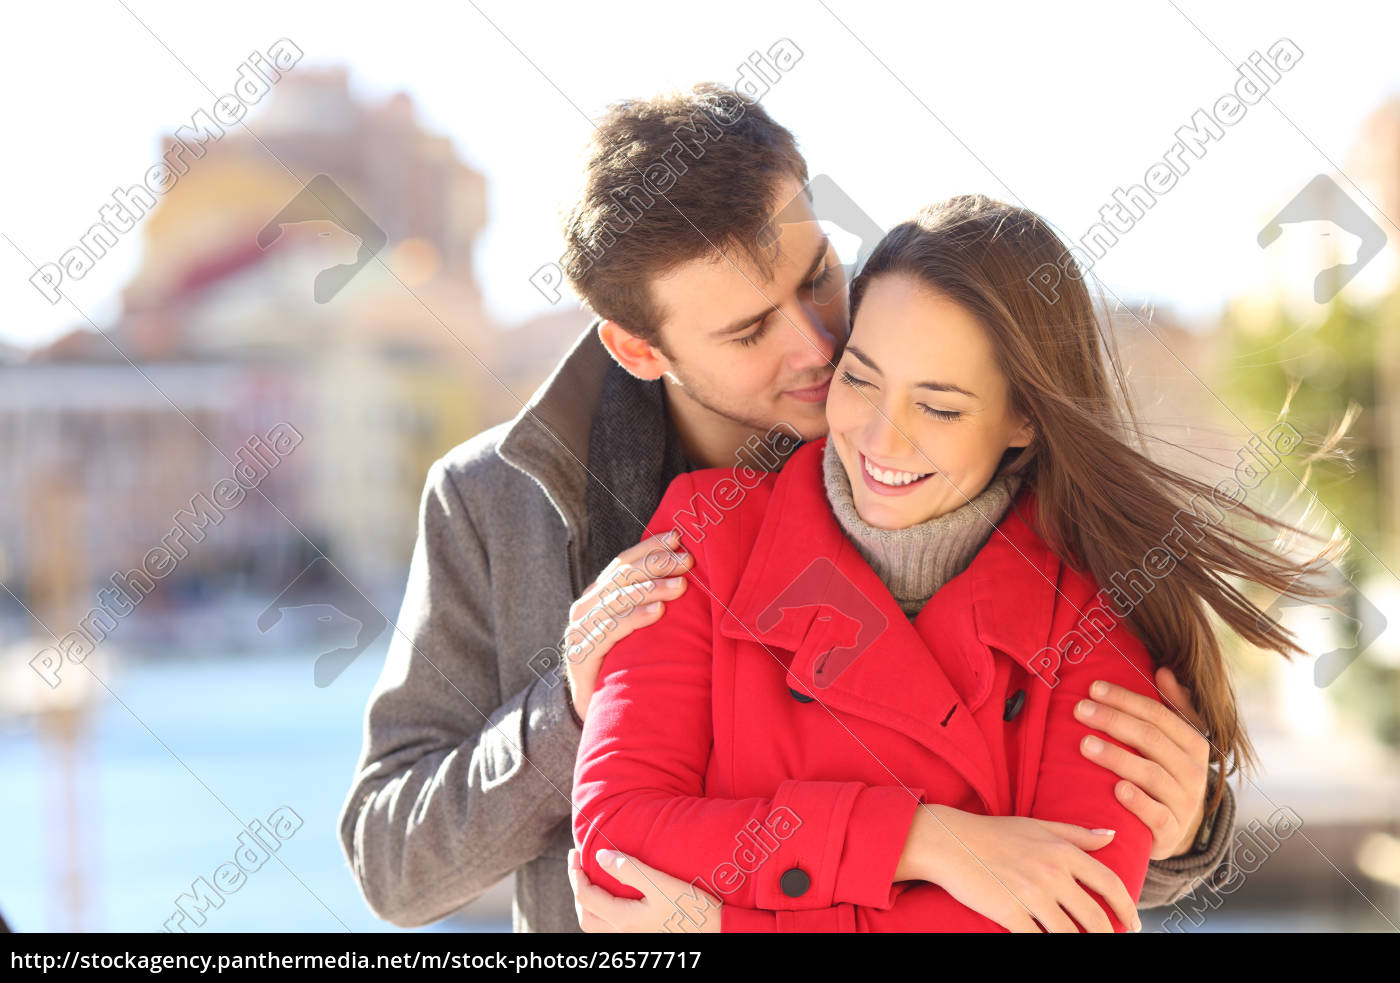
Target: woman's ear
[1023,434]
[638,357]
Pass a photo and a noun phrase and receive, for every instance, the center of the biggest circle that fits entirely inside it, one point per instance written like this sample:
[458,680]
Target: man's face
[754,350]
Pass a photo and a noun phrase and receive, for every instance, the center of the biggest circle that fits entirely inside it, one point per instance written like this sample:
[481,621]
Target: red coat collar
[807,589]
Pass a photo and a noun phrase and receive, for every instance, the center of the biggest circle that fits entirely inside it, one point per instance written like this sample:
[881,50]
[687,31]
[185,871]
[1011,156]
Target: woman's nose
[884,436]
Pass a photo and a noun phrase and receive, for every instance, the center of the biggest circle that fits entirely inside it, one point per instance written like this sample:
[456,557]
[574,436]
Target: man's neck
[710,440]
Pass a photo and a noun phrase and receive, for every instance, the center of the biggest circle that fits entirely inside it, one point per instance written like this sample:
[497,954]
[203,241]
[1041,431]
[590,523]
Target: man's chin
[808,428]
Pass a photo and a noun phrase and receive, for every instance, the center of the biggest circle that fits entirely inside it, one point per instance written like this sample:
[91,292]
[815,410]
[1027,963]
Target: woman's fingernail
[672,538]
[682,557]
[1099,689]
[1093,745]
[653,607]
[1125,790]
[674,582]
[1085,708]
[1137,924]
[1103,832]
[607,858]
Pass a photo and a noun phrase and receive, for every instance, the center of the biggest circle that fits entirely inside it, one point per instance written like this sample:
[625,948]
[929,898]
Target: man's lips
[812,394]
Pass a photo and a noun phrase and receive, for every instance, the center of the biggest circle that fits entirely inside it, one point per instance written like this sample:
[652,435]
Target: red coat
[773,733]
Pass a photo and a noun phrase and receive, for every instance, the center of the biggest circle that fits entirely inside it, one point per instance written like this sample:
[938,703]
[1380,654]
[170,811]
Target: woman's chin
[881,516]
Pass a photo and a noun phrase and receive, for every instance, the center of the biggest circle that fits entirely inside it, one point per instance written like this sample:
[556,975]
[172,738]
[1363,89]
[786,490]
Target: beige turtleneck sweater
[915,561]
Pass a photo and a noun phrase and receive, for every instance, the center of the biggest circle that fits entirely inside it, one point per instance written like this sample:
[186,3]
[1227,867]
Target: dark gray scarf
[634,452]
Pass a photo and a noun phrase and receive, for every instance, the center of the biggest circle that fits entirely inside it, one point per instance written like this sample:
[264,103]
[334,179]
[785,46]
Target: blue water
[167,764]
[182,739]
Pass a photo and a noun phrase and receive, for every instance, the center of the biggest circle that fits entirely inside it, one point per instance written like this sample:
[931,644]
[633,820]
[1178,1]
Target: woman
[866,717]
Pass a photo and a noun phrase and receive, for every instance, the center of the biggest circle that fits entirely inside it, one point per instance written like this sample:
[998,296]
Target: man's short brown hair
[668,180]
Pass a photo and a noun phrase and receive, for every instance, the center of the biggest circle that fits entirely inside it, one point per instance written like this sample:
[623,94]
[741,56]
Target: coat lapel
[807,590]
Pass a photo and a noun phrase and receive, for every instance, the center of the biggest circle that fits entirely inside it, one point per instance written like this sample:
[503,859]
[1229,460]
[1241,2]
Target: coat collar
[855,650]
[548,439]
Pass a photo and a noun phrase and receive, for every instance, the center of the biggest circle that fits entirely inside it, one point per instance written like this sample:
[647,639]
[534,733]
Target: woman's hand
[669,905]
[1018,871]
[1165,784]
[629,594]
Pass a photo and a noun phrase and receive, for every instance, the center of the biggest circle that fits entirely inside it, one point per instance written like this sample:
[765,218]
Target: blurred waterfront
[159,765]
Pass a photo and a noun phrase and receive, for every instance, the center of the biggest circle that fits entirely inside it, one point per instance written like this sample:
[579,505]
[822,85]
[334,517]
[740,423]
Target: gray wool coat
[469,741]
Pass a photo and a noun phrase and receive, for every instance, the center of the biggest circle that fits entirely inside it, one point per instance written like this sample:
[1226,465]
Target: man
[720,320]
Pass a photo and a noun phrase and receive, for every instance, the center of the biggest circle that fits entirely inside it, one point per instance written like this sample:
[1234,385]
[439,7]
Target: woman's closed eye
[946,415]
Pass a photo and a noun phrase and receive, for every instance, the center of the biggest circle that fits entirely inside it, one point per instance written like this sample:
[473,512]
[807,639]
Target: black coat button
[1014,705]
[795,882]
[800,697]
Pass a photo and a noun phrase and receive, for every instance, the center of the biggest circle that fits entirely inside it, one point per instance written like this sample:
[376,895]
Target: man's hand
[669,903]
[1165,784]
[629,594]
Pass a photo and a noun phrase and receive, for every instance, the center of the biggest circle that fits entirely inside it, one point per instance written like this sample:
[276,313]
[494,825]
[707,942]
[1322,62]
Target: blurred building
[106,439]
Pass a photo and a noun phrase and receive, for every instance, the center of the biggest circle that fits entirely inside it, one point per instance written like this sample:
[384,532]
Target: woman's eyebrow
[942,387]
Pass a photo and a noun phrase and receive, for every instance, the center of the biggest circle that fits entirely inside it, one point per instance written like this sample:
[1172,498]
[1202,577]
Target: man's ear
[638,357]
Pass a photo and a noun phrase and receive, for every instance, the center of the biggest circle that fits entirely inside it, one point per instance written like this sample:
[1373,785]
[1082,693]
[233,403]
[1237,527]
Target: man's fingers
[632,872]
[623,600]
[629,579]
[665,561]
[1178,697]
[594,900]
[652,555]
[595,643]
[587,898]
[590,922]
[1149,775]
[1174,746]
[1135,706]
[1156,816]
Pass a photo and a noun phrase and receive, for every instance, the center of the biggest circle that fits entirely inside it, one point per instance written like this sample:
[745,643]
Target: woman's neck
[914,562]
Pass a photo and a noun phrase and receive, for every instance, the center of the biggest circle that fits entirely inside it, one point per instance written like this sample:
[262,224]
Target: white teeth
[892,477]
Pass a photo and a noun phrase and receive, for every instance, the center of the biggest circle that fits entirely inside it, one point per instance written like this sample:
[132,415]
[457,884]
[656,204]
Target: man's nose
[813,344]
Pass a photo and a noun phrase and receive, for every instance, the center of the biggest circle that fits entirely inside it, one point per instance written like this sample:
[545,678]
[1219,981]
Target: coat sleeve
[454,788]
[639,781]
[1069,788]
[1171,879]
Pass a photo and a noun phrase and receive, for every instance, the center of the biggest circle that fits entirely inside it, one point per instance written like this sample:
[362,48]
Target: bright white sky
[1062,102]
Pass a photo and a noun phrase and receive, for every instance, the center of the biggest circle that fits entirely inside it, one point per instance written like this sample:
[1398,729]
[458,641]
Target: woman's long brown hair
[1102,503]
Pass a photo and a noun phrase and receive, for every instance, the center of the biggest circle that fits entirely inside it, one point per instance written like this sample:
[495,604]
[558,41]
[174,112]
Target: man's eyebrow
[942,387]
[750,321]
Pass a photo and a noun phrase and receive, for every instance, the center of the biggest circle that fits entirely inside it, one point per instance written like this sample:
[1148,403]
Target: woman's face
[919,411]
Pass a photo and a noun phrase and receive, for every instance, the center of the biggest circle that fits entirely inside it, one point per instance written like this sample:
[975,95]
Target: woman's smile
[888,481]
